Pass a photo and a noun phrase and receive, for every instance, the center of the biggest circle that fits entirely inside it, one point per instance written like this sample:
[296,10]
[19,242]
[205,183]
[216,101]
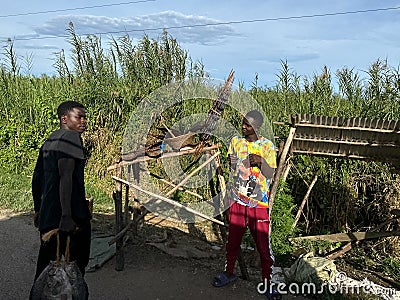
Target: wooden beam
[338,252]
[343,155]
[279,169]
[342,142]
[170,201]
[348,237]
[346,128]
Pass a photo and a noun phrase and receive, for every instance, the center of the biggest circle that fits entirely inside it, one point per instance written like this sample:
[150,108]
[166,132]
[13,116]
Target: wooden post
[136,204]
[286,171]
[282,159]
[126,206]
[117,195]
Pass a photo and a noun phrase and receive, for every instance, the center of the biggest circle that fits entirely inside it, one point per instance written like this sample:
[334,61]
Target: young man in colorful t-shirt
[253,162]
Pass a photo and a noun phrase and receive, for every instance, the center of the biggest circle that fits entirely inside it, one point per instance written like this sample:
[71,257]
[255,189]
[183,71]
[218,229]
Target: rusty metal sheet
[358,138]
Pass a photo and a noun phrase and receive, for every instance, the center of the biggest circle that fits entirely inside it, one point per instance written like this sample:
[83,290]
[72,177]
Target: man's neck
[251,138]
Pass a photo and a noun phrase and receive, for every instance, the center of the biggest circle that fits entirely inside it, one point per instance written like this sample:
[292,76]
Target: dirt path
[149,273]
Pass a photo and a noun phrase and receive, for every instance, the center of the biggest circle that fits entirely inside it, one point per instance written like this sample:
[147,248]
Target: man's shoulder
[264,141]
[65,141]
[237,138]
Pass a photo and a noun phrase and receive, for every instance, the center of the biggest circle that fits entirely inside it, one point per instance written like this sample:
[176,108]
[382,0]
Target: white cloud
[152,24]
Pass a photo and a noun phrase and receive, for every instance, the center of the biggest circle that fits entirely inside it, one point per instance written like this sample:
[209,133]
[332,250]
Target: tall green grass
[110,82]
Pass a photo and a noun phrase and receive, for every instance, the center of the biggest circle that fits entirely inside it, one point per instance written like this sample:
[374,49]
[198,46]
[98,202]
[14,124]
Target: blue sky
[307,43]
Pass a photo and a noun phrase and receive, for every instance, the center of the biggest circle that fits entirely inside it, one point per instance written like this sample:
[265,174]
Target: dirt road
[149,273]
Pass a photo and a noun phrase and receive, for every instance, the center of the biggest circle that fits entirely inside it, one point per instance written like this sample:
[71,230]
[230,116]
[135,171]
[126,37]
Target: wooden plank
[360,143]
[348,237]
[349,156]
[338,252]
[343,122]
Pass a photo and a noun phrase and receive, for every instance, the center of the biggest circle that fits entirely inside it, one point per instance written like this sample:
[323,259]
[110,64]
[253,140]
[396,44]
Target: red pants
[257,219]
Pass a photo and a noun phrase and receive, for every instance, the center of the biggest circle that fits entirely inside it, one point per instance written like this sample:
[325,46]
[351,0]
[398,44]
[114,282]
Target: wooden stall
[339,137]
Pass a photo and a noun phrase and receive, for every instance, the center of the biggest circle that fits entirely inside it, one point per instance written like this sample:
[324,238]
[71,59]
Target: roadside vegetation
[348,196]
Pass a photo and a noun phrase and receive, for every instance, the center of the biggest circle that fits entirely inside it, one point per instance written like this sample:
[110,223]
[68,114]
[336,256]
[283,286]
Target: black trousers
[79,249]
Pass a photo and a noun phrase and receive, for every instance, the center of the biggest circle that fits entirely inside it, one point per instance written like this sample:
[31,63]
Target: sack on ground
[308,268]
[60,280]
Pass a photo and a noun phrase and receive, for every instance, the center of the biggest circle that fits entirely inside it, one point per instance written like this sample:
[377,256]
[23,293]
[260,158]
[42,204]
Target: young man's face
[75,119]
[249,126]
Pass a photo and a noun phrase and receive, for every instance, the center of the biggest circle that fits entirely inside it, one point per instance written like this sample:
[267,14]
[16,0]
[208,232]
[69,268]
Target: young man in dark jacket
[58,190]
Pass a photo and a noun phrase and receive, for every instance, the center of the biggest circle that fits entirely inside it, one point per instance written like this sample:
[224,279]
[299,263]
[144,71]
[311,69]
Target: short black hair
[256,115]
[67,106]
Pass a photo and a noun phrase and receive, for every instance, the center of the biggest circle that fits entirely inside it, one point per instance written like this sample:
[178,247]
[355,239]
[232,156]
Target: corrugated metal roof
[358,138]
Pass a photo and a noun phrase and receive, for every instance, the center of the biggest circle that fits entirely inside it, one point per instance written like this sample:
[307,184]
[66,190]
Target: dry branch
[307,195]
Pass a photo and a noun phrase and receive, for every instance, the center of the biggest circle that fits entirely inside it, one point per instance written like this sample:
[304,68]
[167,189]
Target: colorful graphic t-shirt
[250,186]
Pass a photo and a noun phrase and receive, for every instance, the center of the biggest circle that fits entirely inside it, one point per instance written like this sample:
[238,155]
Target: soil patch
[149,272]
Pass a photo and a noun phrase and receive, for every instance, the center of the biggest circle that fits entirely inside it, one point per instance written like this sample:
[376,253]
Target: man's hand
[67,224]
[256,160]
[260,162]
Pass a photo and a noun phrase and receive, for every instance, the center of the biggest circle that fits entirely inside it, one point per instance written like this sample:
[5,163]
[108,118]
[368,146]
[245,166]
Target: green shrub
[282,220]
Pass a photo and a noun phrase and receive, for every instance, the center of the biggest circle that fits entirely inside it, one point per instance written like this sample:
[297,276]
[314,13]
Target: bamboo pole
[170,201]
[193,173]
[181,188]
[350,156]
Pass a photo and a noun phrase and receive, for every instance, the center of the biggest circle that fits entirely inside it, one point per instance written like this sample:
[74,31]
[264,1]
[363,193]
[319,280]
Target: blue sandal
[223,279]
